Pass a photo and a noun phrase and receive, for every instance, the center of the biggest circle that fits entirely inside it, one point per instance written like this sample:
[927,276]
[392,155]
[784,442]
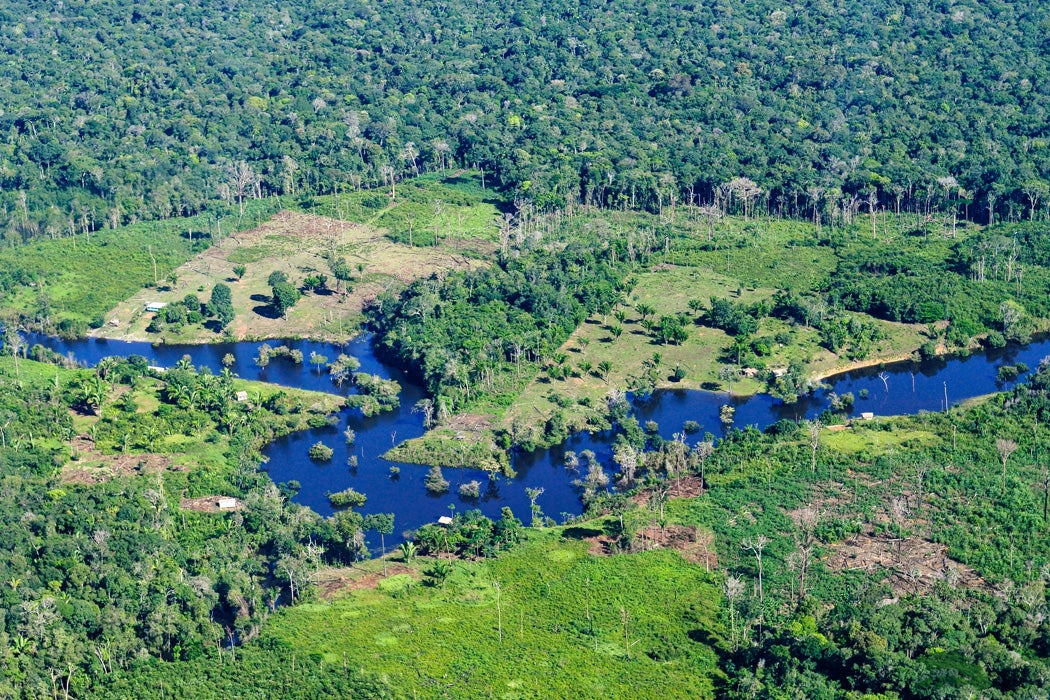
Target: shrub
[435,481]
[348,498]
[321,452]
[471,489]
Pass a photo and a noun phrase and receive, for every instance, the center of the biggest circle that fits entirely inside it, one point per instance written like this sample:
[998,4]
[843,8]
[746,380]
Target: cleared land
[89,464]
[702,355]
[297,244]
[610,626]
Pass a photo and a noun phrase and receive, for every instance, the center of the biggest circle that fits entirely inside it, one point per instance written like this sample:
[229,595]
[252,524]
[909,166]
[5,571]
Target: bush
[995,339]
[471,489]
[928,349]
[1007,373]
[321,452]
[348,498]
[435,481]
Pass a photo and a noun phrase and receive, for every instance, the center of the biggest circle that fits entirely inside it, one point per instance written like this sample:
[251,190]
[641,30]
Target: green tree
[318,360]
[220,306]
[383,523]
[284,296]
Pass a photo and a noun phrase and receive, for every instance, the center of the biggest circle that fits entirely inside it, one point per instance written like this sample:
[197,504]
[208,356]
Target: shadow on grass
[266,311]
[581,533]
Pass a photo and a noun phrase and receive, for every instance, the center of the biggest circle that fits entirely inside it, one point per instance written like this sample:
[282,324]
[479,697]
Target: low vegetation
[68,285]
[329,267]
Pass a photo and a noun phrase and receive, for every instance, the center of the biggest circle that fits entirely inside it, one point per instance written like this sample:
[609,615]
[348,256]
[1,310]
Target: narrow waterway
[897,389]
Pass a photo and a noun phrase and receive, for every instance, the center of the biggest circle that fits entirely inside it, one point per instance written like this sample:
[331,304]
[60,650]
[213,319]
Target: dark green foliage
[284,297]
[348,498]
[321,452]
[435,481]
[375,394]
[480,335]
[733,318]
[220,305]
[470,534]
[650,103]
[109,577]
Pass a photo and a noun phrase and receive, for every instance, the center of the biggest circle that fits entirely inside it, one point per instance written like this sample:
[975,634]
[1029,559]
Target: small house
[867,415]
[444,521]
[155,306]
[241,396]
[227,503]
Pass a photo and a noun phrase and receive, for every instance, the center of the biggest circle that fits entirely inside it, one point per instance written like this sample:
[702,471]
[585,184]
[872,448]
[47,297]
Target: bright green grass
[450,208]
[870,441]
[444,641]
[81,277]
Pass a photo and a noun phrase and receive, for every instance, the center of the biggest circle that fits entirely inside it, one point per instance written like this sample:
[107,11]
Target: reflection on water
[902,388]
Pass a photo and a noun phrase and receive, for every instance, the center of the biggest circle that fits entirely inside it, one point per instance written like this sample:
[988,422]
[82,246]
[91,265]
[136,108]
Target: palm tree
[95,391]
[408,550]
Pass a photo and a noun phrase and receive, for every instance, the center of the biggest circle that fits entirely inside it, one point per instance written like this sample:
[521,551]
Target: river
[896,389]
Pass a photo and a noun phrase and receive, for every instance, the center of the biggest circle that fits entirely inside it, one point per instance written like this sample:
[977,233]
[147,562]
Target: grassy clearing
[436,209]
[444,640]
[870,441]
[702,356]
[79,278]
[295,244]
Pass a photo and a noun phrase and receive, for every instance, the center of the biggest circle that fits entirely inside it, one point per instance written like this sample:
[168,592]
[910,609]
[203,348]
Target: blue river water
[894,389]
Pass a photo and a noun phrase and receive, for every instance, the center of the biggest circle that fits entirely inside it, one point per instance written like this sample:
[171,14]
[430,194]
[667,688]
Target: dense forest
[579,203]
[106,561]
[114,114]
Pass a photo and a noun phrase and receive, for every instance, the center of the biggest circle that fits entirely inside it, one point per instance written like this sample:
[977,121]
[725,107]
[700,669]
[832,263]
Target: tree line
[759,108]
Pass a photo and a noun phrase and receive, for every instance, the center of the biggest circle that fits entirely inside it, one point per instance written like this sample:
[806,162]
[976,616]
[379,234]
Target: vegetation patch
[304,248]
[870,442]
[639,614]
[68,284]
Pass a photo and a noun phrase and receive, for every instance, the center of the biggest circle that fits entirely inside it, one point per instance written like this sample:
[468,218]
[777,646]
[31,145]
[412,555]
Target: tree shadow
[261,298]
[266,311]
[580,533]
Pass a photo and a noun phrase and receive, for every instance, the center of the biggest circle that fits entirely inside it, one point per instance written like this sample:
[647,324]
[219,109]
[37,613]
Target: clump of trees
[218,312]
[479,336]
[470,534]
[165,601]
[321,452]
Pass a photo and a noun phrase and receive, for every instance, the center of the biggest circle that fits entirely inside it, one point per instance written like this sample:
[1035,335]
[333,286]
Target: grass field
[435,209]
[79,278]
[386,243]
[296,244]
[549,596]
